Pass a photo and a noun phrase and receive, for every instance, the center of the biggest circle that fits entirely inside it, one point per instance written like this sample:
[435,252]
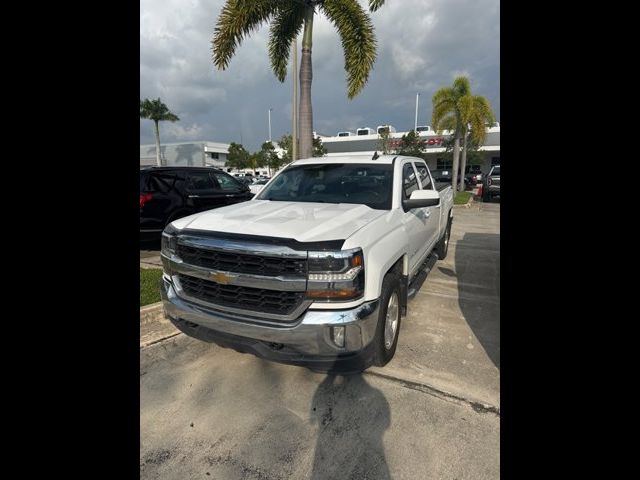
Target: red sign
[395,142]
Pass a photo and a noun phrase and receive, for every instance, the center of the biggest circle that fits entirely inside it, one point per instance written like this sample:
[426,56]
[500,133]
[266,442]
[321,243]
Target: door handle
[194,196]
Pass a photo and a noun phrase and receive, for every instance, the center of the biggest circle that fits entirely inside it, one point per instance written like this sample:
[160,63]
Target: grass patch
[150,285]
[461,198]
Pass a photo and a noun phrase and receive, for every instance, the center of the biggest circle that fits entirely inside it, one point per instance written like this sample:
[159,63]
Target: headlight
[169,241]
[336,276]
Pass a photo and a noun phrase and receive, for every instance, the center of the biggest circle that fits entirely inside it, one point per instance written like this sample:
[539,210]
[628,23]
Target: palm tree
[157,111]
[475,114]
[239,18]
[447,114]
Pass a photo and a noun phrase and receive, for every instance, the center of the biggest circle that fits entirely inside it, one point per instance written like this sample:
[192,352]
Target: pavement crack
[153,342]
[450,397]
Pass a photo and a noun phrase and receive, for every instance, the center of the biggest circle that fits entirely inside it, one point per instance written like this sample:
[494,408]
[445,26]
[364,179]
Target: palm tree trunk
[306,74]
[157,131]
[456,157]
[463,161]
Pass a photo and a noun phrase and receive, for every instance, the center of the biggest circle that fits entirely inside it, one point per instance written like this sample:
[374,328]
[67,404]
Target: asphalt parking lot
[432,412]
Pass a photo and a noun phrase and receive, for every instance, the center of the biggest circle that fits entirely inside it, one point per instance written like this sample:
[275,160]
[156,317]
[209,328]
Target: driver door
[415,221]
[431,214]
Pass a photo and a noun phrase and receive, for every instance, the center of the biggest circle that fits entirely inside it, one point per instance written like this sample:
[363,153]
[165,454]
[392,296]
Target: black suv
[169,193]
[473,174]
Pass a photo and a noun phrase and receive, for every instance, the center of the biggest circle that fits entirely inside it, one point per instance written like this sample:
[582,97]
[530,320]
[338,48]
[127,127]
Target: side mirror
[421,199]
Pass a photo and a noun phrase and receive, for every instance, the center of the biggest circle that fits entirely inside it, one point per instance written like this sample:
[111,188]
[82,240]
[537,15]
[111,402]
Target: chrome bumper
[307,339]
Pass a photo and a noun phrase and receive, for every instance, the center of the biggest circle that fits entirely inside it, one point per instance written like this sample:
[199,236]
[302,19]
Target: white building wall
[191,154]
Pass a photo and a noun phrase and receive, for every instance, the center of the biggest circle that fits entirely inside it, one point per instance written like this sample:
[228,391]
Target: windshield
[364,184]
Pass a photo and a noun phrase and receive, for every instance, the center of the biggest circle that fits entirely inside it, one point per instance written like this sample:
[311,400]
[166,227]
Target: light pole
[270,124]
[415,125]
[294,101]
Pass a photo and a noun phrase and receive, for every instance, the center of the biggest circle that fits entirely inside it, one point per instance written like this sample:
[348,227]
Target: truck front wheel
[386,338]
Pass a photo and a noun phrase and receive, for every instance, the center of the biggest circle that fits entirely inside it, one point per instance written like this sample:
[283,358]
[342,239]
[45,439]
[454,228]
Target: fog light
[338,336]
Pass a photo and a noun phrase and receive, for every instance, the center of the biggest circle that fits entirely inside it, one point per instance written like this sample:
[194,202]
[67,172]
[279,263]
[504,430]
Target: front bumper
[307,342]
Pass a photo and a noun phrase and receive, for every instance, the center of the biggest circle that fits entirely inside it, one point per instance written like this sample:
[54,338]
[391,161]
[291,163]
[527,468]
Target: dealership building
[186,154]
[366,141]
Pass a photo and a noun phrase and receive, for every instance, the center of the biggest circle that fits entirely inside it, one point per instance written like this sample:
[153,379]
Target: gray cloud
[422,45]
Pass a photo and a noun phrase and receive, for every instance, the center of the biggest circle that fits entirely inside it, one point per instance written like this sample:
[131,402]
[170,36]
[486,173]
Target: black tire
[384,354]
[442,247]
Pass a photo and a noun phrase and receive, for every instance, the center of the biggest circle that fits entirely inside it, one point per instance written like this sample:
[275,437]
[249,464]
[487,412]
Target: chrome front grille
[258,300]
[241,262]
[250,281]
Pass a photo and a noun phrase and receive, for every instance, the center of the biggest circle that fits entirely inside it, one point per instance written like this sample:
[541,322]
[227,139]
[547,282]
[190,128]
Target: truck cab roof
[366,159]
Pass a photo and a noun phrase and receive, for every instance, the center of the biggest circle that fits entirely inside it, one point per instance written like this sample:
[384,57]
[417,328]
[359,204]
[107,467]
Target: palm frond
[375,4]
[358,40]
[237,20]
[481,114]
[461,86]
[285,27]
[443,105]
[448,122]
[156,110]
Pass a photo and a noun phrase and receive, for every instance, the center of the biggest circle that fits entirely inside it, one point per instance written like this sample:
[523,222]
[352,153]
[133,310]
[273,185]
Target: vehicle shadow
[477,267]
[352,417]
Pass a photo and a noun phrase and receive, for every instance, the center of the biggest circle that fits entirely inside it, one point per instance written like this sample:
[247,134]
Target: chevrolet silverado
[317,269]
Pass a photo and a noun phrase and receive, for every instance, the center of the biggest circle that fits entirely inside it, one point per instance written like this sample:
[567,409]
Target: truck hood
[304,222]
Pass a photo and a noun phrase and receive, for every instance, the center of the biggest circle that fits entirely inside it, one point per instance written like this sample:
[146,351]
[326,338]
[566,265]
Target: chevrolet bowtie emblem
[220,277]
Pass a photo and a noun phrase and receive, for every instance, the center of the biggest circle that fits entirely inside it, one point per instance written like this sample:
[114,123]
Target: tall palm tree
[239,18]
[157,111]
[475,114]
[447,113]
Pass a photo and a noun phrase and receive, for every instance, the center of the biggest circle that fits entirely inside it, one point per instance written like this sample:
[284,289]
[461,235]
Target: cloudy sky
[422,45]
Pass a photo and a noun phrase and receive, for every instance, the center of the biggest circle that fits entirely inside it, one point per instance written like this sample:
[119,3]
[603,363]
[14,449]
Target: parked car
[245,180]
[444,176]
[491,185]
[317,269]
[169,193]
[242,175]
[258,185]
[473,174]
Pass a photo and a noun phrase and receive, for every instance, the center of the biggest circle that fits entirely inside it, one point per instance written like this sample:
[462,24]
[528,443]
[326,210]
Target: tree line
[267,157]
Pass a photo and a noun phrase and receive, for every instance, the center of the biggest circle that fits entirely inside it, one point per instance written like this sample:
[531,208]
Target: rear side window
[423,173]
[496,171]
[200,182]
[162,182]
[226,181]
[409,180]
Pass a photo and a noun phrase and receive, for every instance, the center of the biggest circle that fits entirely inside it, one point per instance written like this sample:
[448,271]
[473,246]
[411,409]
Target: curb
[150,265]
[154,326]
[151,306]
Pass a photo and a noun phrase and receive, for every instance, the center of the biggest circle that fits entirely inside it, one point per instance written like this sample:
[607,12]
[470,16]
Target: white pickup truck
[315,270]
